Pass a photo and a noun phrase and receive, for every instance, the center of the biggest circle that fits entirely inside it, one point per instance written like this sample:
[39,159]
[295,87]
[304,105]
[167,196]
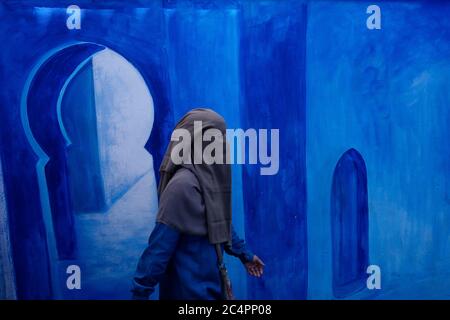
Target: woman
[193,225]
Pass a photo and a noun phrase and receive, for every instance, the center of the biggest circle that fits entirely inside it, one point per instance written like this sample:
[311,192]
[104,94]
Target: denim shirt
[185,266]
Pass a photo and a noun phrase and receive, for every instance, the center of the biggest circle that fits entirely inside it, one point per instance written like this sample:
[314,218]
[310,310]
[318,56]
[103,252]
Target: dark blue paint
[79,118]
[172,259]
[349,224]
[273,65]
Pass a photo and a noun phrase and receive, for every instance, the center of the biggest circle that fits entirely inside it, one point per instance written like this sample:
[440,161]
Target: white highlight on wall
[124,109]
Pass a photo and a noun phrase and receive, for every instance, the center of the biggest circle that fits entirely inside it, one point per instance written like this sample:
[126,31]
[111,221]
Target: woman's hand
[255,267]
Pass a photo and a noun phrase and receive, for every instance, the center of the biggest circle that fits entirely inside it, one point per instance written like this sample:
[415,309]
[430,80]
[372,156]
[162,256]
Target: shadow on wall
[90,115]
[349,224]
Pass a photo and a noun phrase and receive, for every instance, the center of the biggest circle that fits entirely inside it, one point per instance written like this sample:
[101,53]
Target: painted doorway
[349,224]
[88,115]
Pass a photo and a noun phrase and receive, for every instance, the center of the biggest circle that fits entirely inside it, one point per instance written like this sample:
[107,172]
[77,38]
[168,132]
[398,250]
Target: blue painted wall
[311,69]
[273,70]
[43,30]
[386,94]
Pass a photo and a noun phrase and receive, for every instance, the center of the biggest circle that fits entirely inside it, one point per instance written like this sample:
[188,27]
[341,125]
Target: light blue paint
[29,237]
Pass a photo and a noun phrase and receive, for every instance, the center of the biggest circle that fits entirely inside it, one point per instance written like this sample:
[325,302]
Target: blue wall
[386,94]
[273,69]
[309,68]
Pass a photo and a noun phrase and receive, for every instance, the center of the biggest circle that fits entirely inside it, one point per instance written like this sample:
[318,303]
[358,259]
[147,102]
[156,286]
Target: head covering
[213,180]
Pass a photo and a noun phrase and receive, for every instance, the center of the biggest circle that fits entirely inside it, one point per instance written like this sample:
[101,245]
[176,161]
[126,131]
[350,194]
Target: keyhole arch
[42,121]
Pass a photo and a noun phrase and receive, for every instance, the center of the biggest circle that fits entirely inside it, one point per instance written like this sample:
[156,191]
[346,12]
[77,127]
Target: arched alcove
[77,94]
[349,224]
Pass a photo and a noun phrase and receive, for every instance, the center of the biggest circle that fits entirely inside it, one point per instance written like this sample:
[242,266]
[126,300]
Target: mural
[88,103]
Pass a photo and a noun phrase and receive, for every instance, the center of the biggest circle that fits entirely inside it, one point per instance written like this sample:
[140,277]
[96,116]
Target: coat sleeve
[153,262]
[238,248]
